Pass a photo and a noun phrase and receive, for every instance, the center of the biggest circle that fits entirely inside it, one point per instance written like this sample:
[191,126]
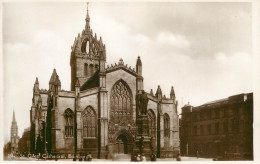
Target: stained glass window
[121,103]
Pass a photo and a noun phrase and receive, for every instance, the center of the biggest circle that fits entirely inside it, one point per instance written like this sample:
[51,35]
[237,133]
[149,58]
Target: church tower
[87,53]
[14,135]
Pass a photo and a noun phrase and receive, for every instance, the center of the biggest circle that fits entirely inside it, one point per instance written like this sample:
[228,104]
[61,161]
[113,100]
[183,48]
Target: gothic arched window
[166,120]
[121,103]
[152,124]
[68,116]
[89,122]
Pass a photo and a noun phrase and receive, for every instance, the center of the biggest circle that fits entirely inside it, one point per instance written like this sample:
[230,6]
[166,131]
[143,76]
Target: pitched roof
[92,82]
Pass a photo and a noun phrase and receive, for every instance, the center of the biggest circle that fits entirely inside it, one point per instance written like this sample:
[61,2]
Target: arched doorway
[121,145]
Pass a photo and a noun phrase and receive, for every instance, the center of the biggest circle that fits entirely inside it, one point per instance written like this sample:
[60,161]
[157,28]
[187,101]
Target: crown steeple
[86,53]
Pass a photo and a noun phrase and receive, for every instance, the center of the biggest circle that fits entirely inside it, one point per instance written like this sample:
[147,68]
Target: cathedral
[101,113]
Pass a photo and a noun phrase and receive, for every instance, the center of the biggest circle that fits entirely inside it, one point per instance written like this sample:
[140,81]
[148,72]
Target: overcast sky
[204,50]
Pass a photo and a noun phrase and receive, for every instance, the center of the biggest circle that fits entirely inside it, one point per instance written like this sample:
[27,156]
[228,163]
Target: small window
[85,69]
[96,67]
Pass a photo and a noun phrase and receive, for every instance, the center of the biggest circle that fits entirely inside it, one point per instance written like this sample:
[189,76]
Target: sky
[203,50]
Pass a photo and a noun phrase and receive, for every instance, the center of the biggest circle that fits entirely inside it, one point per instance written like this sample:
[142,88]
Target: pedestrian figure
[143,158]
[89,157]
[138,158]
[85,157]
[197,154]
[153,157]
[80,157]
[75,158]
[178,158]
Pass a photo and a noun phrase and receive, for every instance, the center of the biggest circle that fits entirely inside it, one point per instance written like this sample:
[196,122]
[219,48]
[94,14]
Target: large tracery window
[152,125]
[68,115]
[166,120]
[89,122]
[121,103]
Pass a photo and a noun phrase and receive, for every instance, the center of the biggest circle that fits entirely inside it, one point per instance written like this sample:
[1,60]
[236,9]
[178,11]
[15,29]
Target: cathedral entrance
[121,145]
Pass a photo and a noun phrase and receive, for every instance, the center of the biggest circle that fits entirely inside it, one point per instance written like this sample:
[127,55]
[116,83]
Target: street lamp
[45,148]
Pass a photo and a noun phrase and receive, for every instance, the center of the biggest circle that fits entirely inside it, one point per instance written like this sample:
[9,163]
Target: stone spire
[36,86]
[139,66]
[87,26]
[14,121]
[53,77]
[36,81]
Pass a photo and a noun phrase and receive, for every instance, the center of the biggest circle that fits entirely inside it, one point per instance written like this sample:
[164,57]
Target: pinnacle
[77,83]
[36,81]
[139,62]
[14,117]
[151,92]
[159,91]
[172,90]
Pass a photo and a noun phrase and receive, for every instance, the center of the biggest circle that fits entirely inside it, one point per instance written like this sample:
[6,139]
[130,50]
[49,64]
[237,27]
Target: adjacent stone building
[24,142]
[14,136]
[98,114]
[219,128]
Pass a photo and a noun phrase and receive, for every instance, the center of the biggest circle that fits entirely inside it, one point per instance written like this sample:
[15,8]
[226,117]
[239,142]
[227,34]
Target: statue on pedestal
[141,103]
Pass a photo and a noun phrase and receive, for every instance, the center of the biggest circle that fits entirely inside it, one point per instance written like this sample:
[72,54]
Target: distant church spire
[87,27]
[14,117]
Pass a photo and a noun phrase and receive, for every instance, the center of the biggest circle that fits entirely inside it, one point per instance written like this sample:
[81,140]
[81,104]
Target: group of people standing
[139,158]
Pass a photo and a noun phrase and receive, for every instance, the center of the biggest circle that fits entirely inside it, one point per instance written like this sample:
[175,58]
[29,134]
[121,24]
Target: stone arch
[128,135]
[123,142]
[152,123]
[69,122]
[85,46]
[89,122]
[166,125]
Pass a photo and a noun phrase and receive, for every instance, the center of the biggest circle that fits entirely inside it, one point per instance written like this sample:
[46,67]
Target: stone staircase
[122,157]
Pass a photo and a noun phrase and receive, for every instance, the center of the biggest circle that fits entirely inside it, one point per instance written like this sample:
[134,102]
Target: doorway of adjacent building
[121,145]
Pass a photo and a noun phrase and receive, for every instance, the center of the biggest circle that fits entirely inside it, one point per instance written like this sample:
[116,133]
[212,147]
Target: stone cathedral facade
[98,113]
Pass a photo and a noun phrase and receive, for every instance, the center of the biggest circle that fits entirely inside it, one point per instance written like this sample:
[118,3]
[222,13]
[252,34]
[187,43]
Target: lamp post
[45,148]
